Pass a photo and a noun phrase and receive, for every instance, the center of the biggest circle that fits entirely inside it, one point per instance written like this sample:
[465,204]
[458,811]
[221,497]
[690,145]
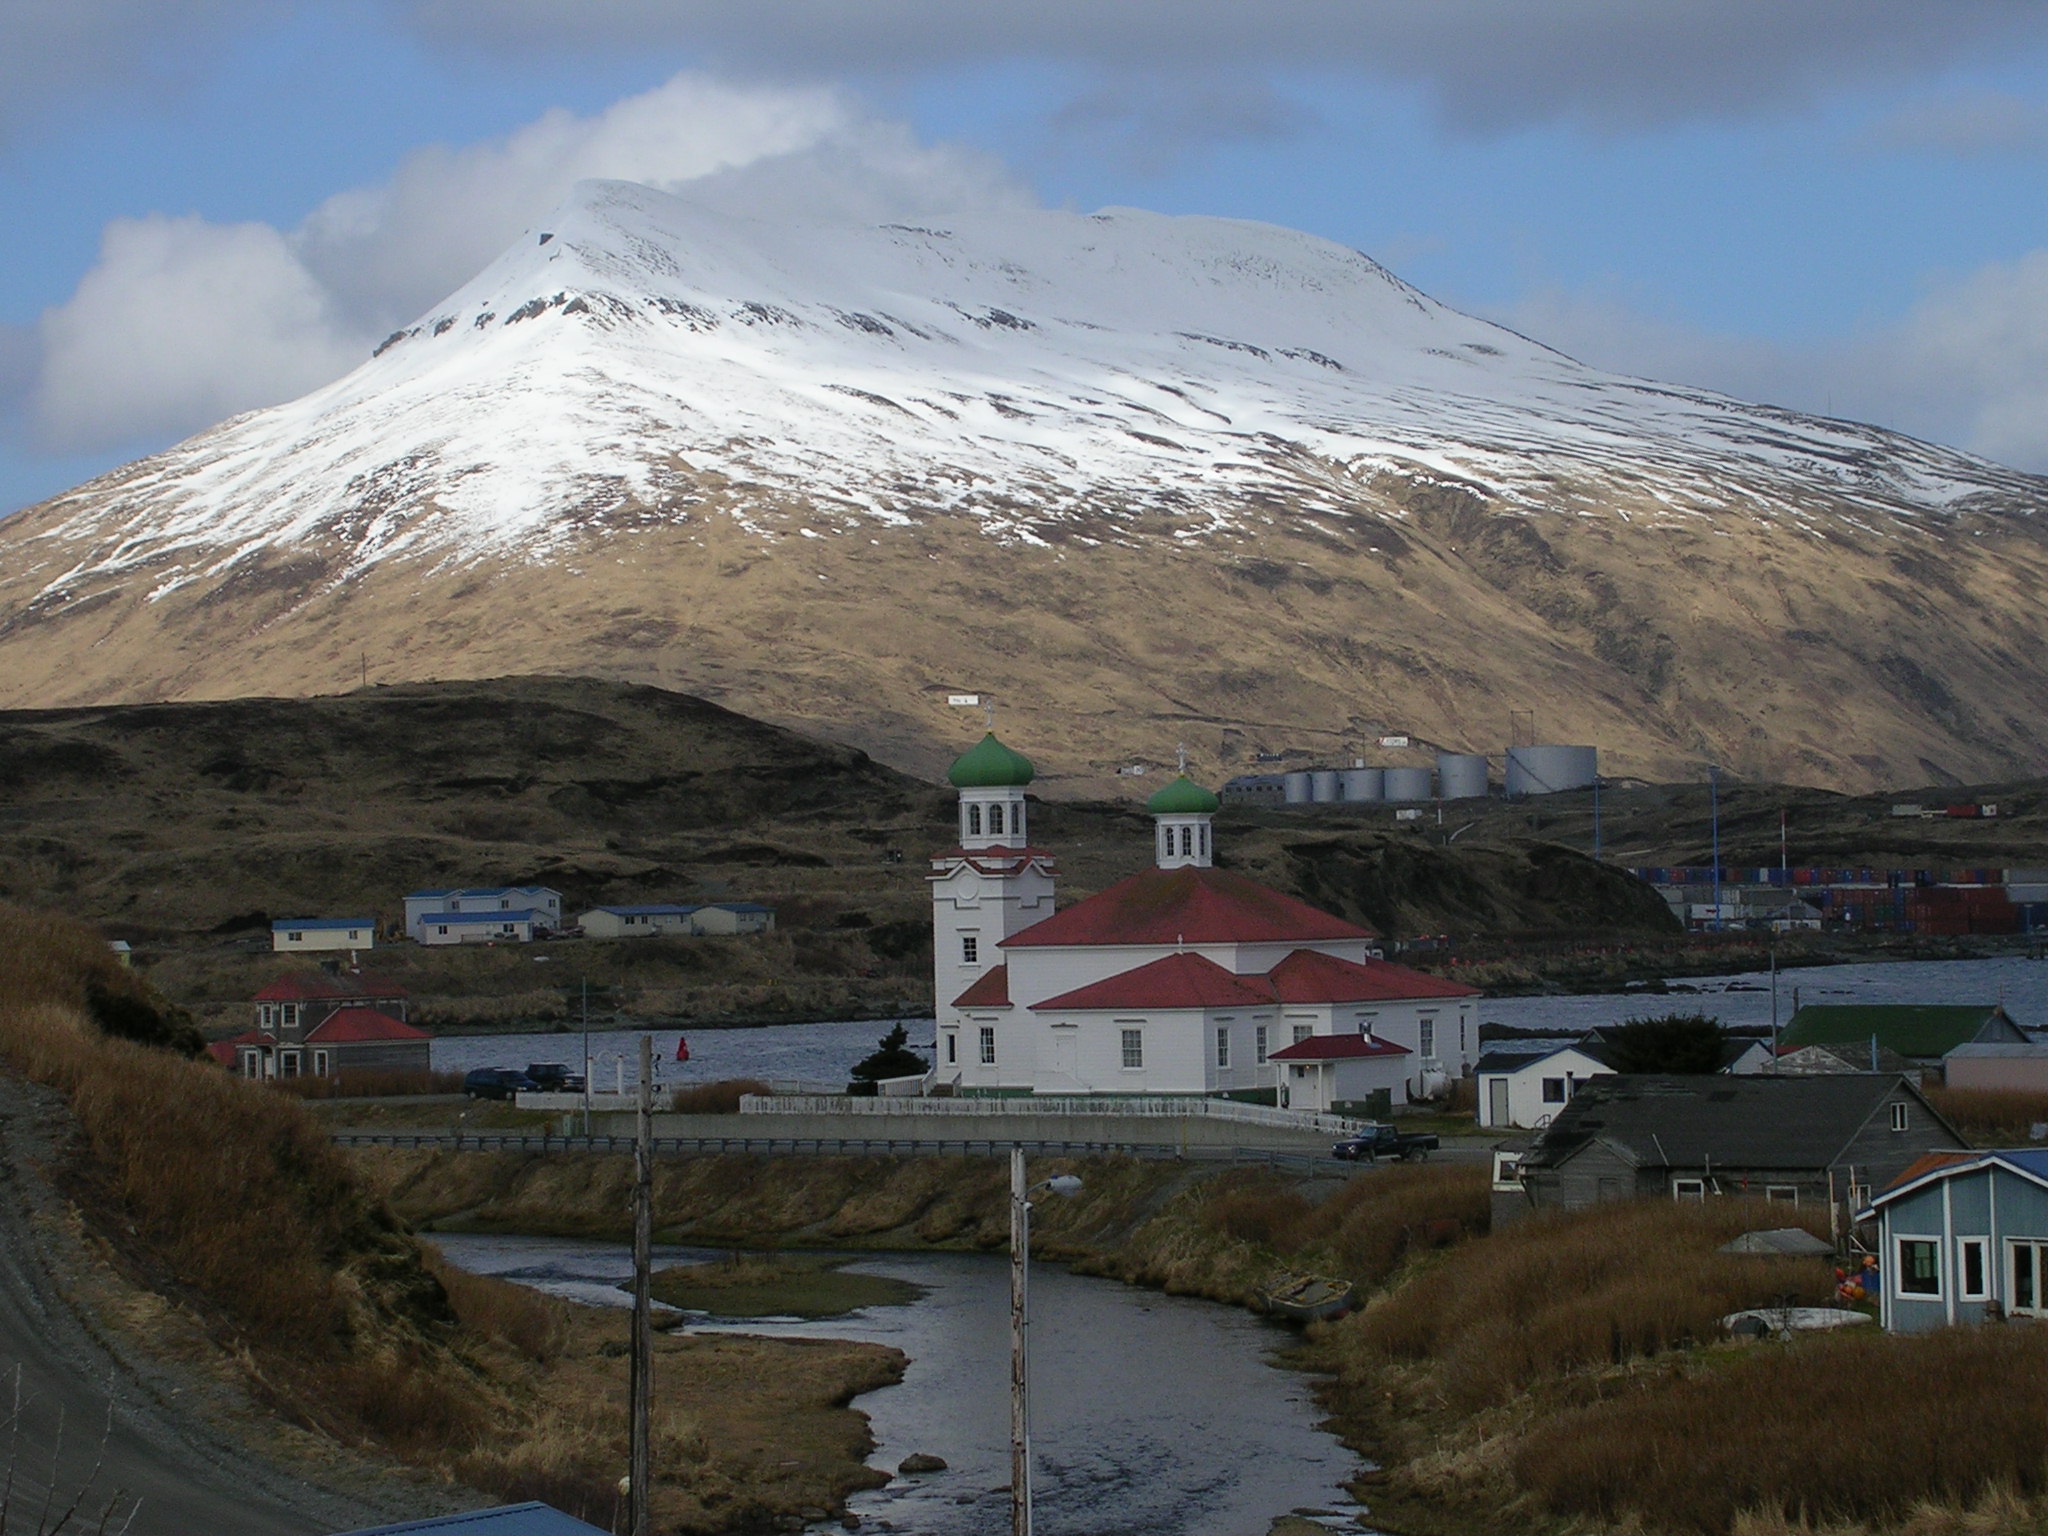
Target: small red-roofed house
[323,1024]
[1182,979]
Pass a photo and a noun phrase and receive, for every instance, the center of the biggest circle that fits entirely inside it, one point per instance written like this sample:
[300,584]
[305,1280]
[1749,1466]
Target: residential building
[303,933]
[730,917]
[1184,979]
[322,1024]
[1963,1237]
[1922,1035]
[544,905]
[1801,1140]
[635,922]
[480,927]
[1999,1064]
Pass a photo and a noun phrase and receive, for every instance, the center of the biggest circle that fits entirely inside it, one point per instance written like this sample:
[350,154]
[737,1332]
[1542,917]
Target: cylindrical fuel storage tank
[1365,784]
[1297,788]
[1408,783]
[1322,785]
[1461,775]
[1547,770]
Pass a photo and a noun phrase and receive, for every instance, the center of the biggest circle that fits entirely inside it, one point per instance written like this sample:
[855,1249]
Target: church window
[1259,1045]
[1187,841]
[974,821]
[988,1045]
[1134,1050]
[995,819]
[1223,1045]
[1302,1032]
[1202,840]
[970,949]
[1425,1040]
[952,1047]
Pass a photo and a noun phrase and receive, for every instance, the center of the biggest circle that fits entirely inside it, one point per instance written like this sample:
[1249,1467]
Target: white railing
[1056,1104]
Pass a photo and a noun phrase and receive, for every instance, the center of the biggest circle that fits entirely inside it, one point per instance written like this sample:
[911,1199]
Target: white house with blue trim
[541,906]
[300,933]
[1963,1236]
[637,922]
[479,927]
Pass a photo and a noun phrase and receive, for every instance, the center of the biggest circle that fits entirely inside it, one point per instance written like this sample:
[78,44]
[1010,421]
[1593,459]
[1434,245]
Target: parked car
[1378,1141]
[496,1083]
[554,1077]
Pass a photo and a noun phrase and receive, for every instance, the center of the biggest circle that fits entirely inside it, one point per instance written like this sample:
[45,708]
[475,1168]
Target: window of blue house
[1919,1267]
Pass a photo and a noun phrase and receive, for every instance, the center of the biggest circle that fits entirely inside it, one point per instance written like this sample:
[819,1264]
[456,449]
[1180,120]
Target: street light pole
[641,1464]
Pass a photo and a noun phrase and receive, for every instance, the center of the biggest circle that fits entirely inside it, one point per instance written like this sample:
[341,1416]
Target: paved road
[188,1481]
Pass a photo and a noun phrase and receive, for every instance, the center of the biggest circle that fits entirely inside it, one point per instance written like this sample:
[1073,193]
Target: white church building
[1184,979]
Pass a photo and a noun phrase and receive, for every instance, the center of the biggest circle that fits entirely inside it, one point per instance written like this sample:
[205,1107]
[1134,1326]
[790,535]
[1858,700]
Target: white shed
[297,933]
[1526,1089]
[1339,1074]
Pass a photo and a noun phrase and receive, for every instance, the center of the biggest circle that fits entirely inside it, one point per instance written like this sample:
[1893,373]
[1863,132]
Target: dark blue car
[496,1083]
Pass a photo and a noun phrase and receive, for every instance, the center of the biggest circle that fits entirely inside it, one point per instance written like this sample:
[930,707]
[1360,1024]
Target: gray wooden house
[1963,1237]
[1799,1140]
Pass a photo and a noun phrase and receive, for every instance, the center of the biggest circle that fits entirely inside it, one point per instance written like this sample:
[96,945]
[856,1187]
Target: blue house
[1964,1235]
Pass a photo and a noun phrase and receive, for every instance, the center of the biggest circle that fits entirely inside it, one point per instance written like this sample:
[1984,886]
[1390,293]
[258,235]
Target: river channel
[1151,1415]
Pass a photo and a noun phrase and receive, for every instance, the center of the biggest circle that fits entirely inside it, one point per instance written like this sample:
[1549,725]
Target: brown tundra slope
[1147,481]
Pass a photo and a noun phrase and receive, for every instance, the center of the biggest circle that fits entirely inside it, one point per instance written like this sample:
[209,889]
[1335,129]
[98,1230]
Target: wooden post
[641,1470]
[1020,1407]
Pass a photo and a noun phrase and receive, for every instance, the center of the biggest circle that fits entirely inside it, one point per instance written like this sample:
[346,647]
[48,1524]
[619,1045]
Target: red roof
[1178,981]
[221,1051]
[317,986]
[991,989]
[1338,1048]
[1928,1163]
[1308,977]
[224,1051]
[353,1026]
[1188,905]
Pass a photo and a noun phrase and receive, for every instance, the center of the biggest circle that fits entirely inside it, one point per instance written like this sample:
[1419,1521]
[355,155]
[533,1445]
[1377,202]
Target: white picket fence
[1050,1104]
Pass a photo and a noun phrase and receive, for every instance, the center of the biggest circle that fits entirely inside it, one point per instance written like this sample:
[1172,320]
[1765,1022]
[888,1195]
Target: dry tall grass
[1830,1430]
[721,1098]
[388,1083]
[1555,1293]
[1992,1116]
[1363,1231]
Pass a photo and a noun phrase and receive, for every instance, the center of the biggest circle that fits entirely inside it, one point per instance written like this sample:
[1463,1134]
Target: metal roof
[1761,1121]
[322,922]
[524,915]
[1909,1029]
[656,910]
[533,1519]
[1187,905]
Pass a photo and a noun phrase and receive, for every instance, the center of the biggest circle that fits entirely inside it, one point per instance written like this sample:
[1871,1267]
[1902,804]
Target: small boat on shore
[1306,1298]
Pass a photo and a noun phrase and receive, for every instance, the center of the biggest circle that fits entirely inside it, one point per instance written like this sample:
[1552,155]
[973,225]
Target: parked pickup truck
[496,1083]
[1378,1141]
[554,1077]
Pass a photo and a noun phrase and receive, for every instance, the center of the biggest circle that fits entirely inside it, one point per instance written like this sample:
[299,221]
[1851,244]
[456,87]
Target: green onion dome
[1183,797]
[988,764]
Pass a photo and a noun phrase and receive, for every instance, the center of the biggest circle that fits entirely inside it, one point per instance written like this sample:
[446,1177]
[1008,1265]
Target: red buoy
[682,1049]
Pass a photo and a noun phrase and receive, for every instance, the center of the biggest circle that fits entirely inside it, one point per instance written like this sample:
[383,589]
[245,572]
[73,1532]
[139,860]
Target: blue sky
[1839,205]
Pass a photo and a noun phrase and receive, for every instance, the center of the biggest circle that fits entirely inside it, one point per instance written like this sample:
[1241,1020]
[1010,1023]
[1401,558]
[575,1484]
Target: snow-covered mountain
[1025,445]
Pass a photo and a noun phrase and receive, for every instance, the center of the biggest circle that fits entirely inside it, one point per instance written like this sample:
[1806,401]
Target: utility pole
[641,1471]
[1020,1385]
[1596,818]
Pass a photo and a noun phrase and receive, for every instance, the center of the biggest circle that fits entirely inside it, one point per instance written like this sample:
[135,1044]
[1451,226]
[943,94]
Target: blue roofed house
[635,922]
[1963,1236]
[458,916]
[297,933]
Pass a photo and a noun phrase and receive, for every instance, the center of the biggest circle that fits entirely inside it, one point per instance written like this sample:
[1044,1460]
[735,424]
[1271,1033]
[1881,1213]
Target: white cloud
[1980,123]
[1966,365]
[183,322]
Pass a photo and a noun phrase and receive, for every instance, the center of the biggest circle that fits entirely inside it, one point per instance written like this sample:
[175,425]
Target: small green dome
[988,764]
[1183,797]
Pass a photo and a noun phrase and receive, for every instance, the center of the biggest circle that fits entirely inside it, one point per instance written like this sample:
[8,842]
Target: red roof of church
[991,989]
[1187,905]
[314,986]
[1338,1048]
[1177,981]
[224,1052]
[1308,977]
[354,1026]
